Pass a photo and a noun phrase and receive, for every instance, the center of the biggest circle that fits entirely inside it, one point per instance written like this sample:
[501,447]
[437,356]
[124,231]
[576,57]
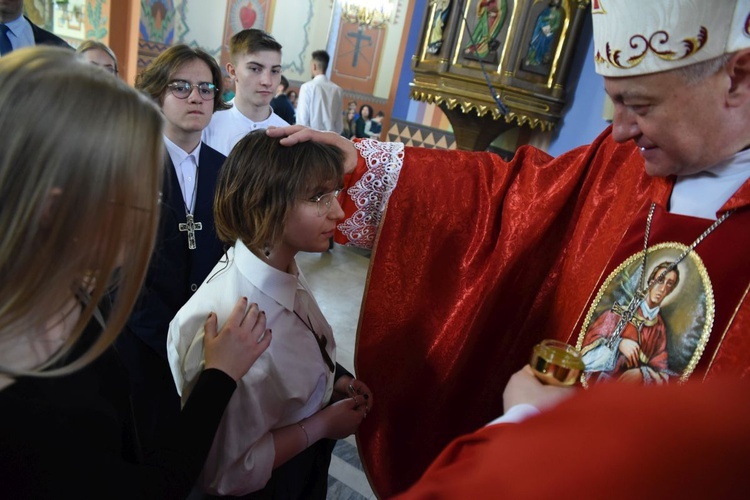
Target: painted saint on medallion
[649,334]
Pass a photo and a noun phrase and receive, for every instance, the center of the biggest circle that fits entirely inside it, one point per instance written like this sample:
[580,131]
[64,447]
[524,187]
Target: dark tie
[5,45]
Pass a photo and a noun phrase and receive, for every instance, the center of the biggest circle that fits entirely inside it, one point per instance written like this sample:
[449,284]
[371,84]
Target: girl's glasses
[323,202]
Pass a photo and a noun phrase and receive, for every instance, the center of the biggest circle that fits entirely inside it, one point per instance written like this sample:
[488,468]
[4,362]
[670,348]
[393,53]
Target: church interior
[377,65]
[425,63]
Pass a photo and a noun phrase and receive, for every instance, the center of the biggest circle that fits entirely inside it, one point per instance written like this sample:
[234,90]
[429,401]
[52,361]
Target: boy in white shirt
[255,68]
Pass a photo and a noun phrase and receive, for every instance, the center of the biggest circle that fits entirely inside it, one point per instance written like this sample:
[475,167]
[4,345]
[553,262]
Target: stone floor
[337,279]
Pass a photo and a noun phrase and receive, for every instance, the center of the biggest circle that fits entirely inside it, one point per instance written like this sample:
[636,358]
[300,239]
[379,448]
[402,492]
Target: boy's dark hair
[154,79]
[322,58]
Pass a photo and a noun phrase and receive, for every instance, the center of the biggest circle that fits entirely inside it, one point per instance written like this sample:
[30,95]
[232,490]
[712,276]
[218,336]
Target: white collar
[280,286]
[703,194]
[649,312]
[245,119]
[178,155]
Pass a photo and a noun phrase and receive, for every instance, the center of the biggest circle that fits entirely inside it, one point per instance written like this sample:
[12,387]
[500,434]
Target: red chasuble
[692,442]
[477,260]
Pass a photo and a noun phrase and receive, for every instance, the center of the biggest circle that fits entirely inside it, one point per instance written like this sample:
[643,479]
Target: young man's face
[193,113]
[256,77]
[677,126]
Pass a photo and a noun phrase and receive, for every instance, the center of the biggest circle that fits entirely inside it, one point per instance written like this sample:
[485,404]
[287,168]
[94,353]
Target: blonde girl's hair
[93,44]
[261,181]
[80,175]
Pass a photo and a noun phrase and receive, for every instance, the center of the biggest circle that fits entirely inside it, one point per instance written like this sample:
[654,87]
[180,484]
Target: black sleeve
[179,463]
[64,439]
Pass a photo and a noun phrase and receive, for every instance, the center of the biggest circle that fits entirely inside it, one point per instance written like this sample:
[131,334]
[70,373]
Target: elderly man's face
[677,126]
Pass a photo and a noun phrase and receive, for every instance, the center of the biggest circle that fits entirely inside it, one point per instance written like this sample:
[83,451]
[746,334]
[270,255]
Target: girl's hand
[342,419]
[241,341]
[347,386]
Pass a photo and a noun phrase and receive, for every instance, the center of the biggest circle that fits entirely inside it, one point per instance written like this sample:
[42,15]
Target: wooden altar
[520,48]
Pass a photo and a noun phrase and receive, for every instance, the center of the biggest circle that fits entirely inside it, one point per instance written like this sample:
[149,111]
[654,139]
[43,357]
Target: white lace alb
[372,191]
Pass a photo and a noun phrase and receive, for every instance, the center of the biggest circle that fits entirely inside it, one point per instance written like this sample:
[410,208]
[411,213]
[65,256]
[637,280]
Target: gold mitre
[638,37]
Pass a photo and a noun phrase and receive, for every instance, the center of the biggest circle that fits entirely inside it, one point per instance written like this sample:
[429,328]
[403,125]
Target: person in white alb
[255,68]
[277,433]
[321,102]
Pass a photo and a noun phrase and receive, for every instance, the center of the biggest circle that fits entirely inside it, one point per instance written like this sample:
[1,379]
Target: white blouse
[289,382]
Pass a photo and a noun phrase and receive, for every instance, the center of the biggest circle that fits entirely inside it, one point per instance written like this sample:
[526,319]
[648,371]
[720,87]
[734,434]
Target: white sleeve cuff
[516,414]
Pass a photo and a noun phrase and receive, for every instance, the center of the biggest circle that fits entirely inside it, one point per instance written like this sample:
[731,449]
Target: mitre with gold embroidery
[638,37]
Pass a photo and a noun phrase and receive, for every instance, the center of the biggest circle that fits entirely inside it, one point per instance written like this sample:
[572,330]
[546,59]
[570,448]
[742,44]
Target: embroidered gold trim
[656,43]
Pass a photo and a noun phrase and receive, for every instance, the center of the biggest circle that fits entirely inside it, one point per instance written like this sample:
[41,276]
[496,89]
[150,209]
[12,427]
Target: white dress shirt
[186,167]
[20,33]
[320,105]
[289,382]
[229,126]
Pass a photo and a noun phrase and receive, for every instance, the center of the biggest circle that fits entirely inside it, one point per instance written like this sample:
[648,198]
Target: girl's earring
[267,250]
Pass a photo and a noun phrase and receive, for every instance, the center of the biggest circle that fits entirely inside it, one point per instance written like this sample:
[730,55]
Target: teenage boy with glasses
[187,84]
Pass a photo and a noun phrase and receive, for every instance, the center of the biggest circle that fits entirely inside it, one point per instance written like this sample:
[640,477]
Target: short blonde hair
[261,181]
[80,173]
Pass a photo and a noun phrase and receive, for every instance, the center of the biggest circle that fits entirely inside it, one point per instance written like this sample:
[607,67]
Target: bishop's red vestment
[477,260]
[691,442]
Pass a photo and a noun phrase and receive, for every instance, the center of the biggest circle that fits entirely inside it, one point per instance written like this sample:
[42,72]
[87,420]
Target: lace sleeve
[371,192]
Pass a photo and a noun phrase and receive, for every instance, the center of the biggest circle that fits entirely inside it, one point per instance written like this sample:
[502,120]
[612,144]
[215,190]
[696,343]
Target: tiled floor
[337,279]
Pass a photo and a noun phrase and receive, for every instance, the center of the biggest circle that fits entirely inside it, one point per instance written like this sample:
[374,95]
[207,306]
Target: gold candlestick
[556,363]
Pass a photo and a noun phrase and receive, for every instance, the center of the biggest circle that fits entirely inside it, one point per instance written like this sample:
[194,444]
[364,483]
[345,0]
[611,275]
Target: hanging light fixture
[367,13]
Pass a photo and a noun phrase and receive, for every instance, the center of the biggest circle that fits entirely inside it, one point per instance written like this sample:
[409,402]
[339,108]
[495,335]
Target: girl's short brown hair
[262,180]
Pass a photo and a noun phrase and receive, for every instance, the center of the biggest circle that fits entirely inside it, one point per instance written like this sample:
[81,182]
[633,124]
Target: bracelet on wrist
[307,437]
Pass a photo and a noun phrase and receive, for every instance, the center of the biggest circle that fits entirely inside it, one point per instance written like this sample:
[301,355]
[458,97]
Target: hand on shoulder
[239,343]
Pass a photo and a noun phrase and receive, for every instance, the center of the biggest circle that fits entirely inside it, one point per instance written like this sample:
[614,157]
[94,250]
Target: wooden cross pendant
[191,227]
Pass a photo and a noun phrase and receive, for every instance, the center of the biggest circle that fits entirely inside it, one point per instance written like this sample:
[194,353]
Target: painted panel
[242,15]
[200,23]
[157,21]
[357,57]
[69,19]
